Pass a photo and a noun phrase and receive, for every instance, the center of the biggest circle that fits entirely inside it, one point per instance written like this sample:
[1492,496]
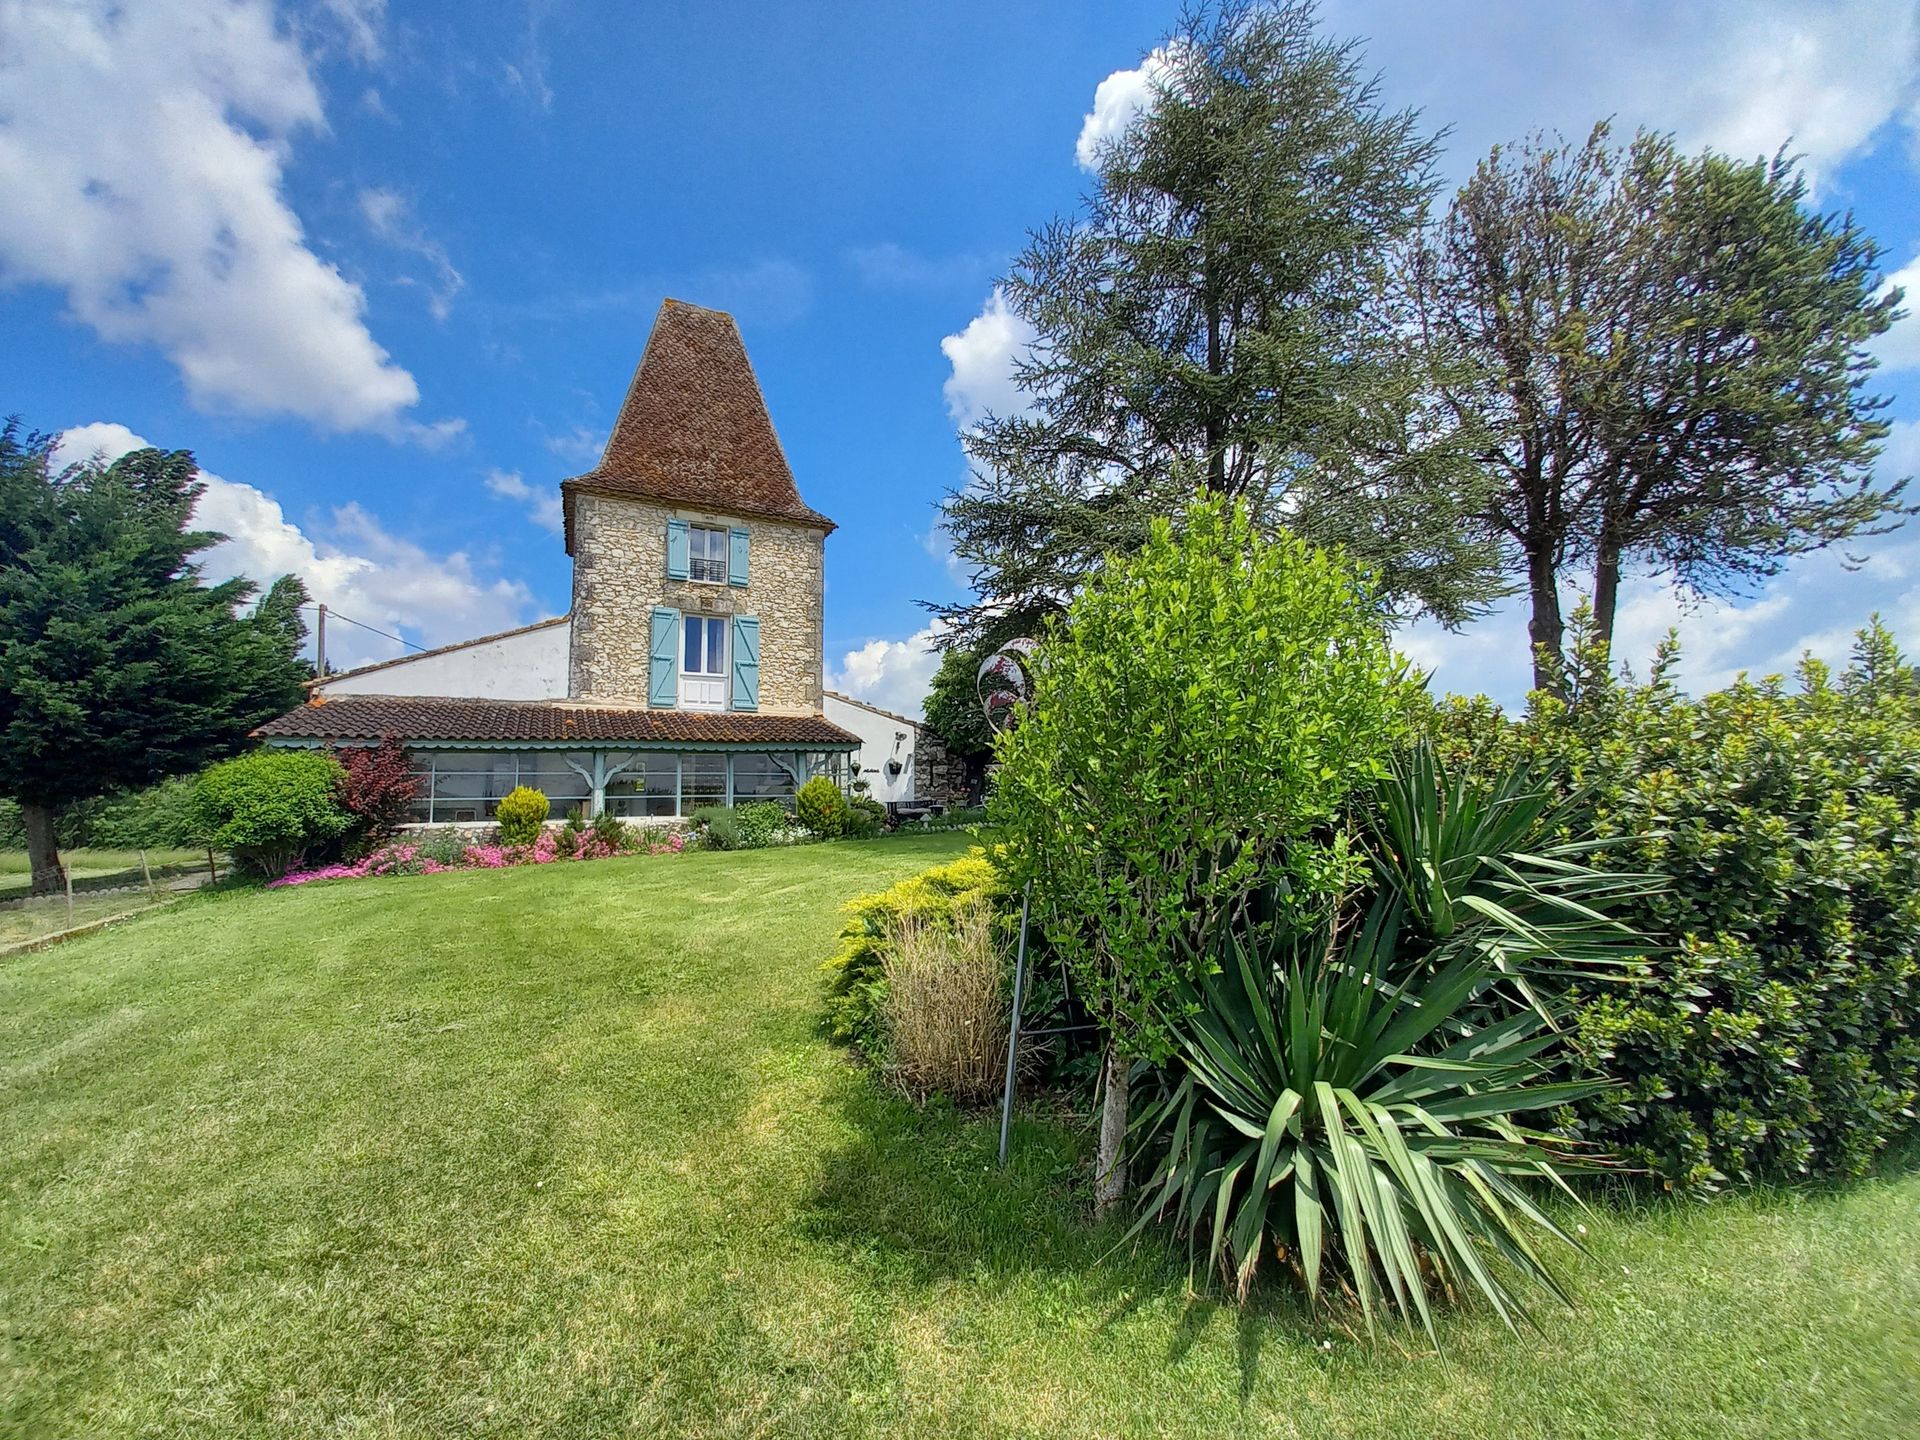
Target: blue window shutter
[663,679]
[746,662]
[737,557]
[676,549]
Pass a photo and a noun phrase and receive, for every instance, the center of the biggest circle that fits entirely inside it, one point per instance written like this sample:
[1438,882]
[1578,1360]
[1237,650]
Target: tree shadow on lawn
[916,1199]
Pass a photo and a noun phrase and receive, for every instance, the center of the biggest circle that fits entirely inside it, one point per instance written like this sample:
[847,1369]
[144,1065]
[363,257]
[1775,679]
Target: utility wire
[397,639]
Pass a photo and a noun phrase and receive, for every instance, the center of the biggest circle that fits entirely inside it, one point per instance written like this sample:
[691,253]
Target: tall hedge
[1771,1038]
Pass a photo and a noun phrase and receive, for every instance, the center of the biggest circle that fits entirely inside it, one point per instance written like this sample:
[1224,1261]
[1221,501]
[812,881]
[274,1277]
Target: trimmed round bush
[523,810]
[821,807]
[271,808]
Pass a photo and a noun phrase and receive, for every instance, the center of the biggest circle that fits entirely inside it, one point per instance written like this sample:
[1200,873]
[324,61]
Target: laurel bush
[1772,1036]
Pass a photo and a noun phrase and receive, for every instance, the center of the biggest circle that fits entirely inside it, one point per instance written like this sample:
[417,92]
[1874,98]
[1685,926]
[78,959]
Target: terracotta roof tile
[694,428]
[428,718]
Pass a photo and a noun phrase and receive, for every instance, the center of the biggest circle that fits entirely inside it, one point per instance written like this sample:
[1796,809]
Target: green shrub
[1338,1123]
[763,822]
[1354,1095]
[159,817]
[961,817]
[743,827]
[856,974]
[865,818]
[521,813]
[1195,728]
[821,807]
[719,827]
[1772,1037]
[271,808]
[612,832]
[446,845]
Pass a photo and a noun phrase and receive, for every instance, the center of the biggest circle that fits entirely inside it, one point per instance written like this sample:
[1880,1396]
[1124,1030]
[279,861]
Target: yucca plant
[1344,1125]
[1480,864]
[1350,1102]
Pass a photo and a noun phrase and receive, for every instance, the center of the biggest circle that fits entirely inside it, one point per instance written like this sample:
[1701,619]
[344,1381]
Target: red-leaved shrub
[379,786]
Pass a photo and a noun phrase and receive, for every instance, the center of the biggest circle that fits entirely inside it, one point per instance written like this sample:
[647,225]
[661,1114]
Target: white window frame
[706,688]
[718,543]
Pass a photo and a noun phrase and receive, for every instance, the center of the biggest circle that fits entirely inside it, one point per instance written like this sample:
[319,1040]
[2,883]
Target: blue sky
[387,269]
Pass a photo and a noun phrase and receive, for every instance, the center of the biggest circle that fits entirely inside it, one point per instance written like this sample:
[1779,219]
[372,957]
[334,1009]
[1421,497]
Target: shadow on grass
[917,1199]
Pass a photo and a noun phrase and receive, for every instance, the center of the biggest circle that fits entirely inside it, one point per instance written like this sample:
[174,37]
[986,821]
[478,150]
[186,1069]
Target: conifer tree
[118,666]
[1224,314]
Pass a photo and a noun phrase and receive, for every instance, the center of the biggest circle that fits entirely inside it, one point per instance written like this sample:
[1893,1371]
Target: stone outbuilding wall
[620,574]
[944,777]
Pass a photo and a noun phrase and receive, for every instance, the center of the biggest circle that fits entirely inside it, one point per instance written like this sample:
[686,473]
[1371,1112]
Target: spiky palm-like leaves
[1355,1102]
[1477,864]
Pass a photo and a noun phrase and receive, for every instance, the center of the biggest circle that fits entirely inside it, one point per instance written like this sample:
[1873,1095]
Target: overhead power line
[333,614]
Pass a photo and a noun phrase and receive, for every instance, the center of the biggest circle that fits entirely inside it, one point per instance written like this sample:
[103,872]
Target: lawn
[16,869]
[34,918]
[558,1151]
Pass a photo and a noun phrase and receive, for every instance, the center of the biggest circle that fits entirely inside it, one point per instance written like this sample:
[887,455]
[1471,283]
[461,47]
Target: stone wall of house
[620,574]
[942,777]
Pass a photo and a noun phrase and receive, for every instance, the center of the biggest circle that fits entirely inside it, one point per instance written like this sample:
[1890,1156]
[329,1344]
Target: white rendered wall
[525,665]
[882,738]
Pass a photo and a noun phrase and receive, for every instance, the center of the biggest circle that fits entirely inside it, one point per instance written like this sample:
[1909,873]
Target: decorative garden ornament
[1004,684]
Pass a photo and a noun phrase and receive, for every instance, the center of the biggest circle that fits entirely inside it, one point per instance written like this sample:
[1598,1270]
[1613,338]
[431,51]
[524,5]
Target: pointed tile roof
[694,429]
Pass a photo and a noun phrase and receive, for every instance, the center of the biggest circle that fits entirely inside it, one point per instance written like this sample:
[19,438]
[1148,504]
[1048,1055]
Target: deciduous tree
[1150,792]
[1663,356]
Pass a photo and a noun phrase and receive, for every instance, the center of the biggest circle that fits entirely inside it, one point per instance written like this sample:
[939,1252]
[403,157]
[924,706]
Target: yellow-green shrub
[523,810]
[856,974]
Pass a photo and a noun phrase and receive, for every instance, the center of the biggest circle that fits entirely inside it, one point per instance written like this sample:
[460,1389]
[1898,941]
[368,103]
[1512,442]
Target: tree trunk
[1110,1176]
[43,851]
[1546,630]
[1216,429]
[1606,590]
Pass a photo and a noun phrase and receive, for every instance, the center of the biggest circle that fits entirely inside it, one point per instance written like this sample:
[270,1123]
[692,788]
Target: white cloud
[527,71]
[893,674]
[359,23]
[542,501]
[1744,78]
[982,357]
[389,214]
[578,446]
[142,150]
[938,542]
[1116,101]
[1899,348]
[353,564]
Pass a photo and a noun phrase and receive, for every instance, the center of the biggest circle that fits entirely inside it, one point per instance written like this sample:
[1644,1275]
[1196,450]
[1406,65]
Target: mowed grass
[559,1152]
[16,868]
[84,863]
[32,919]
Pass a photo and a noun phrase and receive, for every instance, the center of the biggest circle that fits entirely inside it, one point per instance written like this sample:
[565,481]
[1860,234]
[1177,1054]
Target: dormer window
[706,554]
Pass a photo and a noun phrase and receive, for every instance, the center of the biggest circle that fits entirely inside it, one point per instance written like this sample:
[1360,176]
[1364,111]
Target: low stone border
[43,942]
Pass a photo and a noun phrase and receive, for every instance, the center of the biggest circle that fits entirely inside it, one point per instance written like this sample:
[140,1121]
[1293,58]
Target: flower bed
[417,858]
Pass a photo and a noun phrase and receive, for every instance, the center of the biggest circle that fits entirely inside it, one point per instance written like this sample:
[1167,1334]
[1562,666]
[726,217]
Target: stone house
[688,671]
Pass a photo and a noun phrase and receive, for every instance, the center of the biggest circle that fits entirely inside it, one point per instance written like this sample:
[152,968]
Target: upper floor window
[706,554]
